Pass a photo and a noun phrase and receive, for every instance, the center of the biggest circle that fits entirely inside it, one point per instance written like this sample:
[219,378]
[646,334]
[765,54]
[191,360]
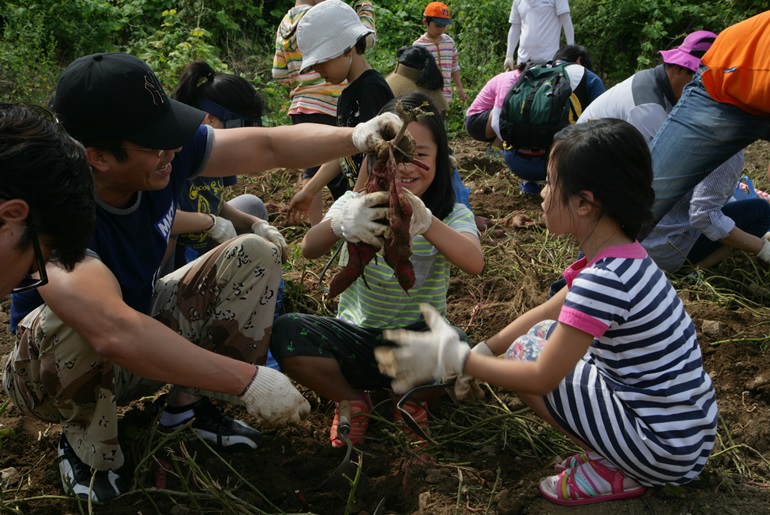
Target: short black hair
[45,167]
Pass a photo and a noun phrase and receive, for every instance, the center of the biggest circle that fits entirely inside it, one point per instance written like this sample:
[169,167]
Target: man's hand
[222,230]
[509,63]
[368,136]
[271,234]
[272,398]
[363,218]
[421,215]
[421,357]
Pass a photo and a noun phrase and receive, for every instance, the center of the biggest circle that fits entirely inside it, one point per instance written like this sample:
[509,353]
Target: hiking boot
[76,477]
[359,421]
[217,429]
[418,413]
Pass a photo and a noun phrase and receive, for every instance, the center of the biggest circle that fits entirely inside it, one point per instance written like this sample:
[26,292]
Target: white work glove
[482,349]
[421,215]
[222,230]
[764,254]
[466,388]
[509,63]
[270,397]
[271,234]
[422,357]
[358,219]
[368,136]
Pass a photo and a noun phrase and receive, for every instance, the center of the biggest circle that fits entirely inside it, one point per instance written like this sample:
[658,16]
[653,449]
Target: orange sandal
[359,421]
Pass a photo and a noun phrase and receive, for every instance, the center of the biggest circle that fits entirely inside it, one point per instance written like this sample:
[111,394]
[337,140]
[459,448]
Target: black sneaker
[218,429]
[76,477]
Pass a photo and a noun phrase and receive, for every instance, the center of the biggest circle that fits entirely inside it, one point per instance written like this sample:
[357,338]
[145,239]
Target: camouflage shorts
[223,301]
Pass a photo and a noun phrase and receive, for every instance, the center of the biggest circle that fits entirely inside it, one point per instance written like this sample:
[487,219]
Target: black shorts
[476,126]
[298,334]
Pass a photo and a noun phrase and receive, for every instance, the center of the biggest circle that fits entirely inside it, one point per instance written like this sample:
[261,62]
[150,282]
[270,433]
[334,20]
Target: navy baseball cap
[118,97]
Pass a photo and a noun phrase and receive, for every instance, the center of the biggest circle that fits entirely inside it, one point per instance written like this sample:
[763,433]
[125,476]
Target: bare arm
[459,85]
[319,239]
[89,300]
[251,150]
[461,248]
[564,349]
[549,310]
[241,221]
[187,221]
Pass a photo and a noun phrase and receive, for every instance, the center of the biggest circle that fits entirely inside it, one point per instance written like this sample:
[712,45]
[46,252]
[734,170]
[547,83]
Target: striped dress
[310,93]
[445,52]
[640,395]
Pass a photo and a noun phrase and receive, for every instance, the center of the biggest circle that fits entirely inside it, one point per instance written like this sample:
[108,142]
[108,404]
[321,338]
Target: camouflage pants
[223,301]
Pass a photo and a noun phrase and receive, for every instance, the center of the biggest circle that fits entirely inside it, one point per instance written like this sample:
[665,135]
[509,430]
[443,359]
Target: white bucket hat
[326,31]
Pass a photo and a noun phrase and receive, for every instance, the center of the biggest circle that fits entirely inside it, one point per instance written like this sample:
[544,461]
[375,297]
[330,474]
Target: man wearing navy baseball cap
[204,328]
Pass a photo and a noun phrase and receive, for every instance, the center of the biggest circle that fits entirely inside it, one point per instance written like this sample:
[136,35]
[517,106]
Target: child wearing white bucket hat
[332,40]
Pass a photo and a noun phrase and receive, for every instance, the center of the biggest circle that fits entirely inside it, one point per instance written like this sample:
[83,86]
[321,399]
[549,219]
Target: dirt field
[491,455]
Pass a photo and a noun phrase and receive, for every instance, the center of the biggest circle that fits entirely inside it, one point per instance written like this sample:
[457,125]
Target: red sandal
[359,421]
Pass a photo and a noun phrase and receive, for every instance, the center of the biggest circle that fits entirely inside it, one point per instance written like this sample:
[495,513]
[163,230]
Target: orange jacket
[739,65]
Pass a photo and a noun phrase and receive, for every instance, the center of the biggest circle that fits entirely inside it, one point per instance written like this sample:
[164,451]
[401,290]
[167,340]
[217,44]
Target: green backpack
[537,106]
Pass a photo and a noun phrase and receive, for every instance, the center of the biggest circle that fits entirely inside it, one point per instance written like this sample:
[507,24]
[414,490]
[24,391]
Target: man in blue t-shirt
[93,334]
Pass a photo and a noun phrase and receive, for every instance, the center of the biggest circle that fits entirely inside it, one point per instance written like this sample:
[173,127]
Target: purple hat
[689,53]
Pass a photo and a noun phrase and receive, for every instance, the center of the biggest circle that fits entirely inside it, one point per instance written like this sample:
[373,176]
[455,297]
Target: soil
[491,455]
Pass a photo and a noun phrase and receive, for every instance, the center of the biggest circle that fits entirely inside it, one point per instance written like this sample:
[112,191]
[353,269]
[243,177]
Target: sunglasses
[159,153]
[29,282]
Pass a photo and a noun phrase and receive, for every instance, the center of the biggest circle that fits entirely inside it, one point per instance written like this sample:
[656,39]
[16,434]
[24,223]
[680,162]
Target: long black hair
[440,195]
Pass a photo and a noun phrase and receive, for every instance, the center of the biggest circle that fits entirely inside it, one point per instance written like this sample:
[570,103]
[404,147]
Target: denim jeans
[529,168]
[698,135]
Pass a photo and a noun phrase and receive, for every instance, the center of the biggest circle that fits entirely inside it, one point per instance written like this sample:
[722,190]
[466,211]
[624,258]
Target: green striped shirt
[385,305]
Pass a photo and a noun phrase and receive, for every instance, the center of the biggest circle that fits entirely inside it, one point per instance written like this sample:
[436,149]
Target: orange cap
[436,10]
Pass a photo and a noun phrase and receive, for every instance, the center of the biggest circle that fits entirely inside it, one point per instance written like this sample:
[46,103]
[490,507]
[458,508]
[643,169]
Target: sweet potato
[398,245]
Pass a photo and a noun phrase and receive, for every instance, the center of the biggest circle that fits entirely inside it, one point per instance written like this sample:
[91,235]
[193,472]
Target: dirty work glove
[421,357]
[270,397]
[509,63]
[466,388]
[421,215]
[358,219]
[764,254]
[222,229]
[369,136]
[271,234]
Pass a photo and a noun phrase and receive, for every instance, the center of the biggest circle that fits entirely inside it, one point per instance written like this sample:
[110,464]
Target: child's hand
[360,219]
[421,357]
[299,206]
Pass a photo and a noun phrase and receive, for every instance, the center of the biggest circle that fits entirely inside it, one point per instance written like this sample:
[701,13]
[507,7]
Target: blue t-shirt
[131,242]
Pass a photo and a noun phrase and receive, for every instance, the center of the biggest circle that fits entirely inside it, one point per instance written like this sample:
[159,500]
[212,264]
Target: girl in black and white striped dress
[611,360]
